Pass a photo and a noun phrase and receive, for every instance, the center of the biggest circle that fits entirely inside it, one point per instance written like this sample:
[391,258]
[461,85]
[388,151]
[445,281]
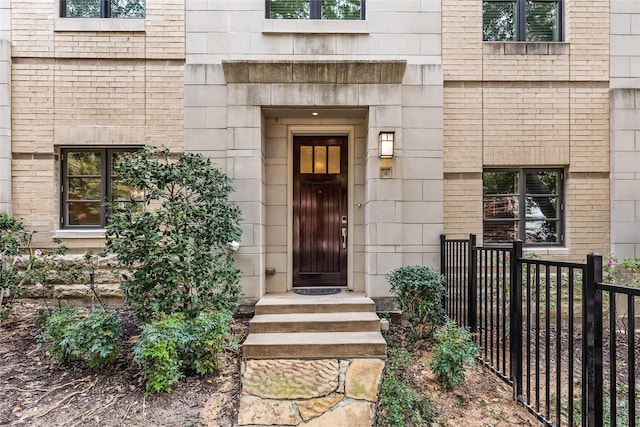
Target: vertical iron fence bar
[537,364]
[472,284]
[515,306]
[504,311]
[592,354]
[528,284]
[443,261]
[558,343]
[631,359]
[613,360]
[486,299]
[570,348]
[465,280]
[454,283]
[491,305]
[547,339]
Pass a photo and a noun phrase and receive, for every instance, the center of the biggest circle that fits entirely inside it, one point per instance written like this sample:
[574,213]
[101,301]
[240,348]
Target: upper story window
[102,8]
[315,9]
[524,204]
[522,20]
[88,181]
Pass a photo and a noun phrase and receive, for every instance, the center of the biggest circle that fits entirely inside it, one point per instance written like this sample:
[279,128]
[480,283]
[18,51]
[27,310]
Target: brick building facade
[255,93]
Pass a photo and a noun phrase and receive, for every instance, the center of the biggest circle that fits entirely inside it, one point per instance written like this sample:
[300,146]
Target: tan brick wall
[528,105]
[525,124]
[587,213]
[100,88]
[35,34]
[463,205]
[463,127]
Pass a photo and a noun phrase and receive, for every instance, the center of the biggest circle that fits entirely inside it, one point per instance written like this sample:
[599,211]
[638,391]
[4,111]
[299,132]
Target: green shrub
[171,345]
[419,291]
[399,405]
[175,249]
[157,351]
[94,338]
[453,350]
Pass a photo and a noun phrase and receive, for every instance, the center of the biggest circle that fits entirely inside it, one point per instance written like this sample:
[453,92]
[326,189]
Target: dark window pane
[122,191]
[500,231]
[542,21]
[289,9]
[501,207]
[127,8]
[542,232]
[541,182]
[84,213]
[83,9]
[341,9]
[500,183]
[84,189]
[84,163]
[498,20]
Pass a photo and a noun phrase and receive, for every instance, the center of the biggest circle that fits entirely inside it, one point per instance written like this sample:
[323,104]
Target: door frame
[327,130]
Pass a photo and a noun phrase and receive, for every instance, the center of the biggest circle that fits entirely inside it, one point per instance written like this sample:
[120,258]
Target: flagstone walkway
[324,392]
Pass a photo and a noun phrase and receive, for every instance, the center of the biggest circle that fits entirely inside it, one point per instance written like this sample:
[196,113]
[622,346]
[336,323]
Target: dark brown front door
[320,221]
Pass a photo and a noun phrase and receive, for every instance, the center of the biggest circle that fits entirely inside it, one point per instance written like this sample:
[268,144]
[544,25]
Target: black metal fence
[562,339]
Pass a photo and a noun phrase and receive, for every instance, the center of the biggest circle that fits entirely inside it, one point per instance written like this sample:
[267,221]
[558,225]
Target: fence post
[443,264]
[515,317]
[592,342]
[472,284]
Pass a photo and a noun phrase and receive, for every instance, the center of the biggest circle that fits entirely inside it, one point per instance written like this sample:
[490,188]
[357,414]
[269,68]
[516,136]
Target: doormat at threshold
[317,291]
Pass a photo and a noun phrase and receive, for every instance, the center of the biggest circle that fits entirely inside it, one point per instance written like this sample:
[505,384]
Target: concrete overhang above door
[307,113]
[321,72]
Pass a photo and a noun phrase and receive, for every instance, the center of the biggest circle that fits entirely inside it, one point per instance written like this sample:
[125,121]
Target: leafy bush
[419,291]
[175,250]
[399,405]
[624,272]
[453,350]
[168,346]
[94,338]
[21,265]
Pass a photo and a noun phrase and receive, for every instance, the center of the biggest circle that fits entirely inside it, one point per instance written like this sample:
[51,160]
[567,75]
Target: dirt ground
[34,392]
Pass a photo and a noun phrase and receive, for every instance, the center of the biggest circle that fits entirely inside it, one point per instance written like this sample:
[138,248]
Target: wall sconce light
[386,141]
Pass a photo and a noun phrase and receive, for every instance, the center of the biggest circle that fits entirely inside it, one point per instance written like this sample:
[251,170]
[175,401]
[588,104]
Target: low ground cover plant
[453,350]
[72,335]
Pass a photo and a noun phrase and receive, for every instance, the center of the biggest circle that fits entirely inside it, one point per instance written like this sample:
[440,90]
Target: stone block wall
[5,107]
[625,128]
[528,105]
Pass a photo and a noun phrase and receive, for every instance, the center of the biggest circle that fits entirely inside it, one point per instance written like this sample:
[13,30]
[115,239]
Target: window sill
[525,48]
[99,24]
[96,233]
[311,26]
[540,251]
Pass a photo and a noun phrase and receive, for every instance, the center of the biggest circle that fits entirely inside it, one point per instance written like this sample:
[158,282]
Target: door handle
[344,237]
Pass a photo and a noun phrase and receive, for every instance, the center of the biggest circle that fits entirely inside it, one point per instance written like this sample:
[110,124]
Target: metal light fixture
[386,141]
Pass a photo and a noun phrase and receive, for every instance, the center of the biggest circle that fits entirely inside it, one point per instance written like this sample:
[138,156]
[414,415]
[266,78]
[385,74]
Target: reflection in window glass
[90,180]
[521,20]
[498,20]
[306,159]
[334,159]
[320,159]
[102,8]
[316,9]
[537,191]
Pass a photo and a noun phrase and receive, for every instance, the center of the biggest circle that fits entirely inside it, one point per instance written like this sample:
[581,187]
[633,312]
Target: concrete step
[314,304]
[315,322]
[315,345]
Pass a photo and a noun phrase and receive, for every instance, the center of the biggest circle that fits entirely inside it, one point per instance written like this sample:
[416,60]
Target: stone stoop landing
[313,393]
[292,326]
